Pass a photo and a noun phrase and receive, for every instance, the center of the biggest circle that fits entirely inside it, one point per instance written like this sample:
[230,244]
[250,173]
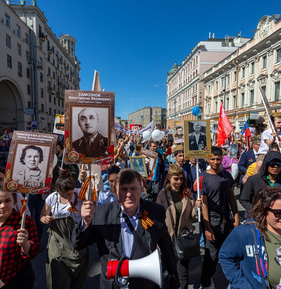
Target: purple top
[226,161]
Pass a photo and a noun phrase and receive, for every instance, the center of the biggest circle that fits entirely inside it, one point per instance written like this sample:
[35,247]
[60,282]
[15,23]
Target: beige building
[184,82]
[123,122]
[36,67]
[237,78]
[145,115]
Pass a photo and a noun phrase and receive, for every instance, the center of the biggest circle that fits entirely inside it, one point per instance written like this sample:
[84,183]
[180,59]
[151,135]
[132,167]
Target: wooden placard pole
[23,218]
[198,189]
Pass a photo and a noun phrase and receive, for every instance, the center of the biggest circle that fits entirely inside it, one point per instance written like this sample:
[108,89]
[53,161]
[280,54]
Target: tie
[89,145]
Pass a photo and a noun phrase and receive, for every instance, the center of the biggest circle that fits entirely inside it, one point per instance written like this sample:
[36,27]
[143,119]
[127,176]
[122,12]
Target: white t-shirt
[61,210]
[267,134]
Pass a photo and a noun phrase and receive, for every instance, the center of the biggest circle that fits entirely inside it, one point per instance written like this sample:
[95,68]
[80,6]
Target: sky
[133,44]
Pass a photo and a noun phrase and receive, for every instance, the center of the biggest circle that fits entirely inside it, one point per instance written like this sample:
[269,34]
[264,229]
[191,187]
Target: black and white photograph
[197,135]
[138,164]
[150,158]
[90,130]
[30,165]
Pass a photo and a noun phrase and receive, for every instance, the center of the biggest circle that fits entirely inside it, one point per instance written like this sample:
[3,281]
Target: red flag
[224,127]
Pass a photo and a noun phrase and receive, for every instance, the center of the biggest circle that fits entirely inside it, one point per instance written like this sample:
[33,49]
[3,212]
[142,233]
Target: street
[92,281]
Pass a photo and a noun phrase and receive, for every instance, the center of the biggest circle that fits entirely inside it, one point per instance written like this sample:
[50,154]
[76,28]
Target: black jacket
[106,228]
[257,182]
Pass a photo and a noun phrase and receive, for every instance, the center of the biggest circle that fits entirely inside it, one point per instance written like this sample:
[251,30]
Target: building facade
[145,115]
[236,79]
[36,67]
[185,88]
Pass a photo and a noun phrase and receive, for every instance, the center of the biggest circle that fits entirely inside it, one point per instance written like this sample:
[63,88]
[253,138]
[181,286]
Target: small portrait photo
[150,159]
[90,130]
[59,124]
[178,134]
[197,135]
[138,164]
[30,165]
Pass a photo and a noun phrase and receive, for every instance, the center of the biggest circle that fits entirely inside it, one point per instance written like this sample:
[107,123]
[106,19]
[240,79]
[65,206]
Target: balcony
[41,37]
[51,90]
[50,50]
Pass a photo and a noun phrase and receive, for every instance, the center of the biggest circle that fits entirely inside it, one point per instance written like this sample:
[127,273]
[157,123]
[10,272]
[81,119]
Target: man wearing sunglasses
[270,175]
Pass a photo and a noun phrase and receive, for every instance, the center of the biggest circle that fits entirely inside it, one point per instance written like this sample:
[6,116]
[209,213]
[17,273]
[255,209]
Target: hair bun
[65,173]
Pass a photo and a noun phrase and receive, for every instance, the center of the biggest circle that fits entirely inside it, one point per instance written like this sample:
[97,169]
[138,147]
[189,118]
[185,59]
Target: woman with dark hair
[177,196]
[17,246]
[62,210]
[251,255]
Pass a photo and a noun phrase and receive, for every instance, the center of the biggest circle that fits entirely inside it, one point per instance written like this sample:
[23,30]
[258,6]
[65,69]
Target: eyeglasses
[273,164]
[277,213]
[177,179]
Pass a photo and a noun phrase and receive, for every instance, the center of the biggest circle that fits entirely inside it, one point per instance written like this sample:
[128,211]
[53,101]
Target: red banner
[224,127]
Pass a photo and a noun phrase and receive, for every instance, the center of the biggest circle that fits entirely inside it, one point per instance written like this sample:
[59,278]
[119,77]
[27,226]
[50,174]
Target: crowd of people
[134,215]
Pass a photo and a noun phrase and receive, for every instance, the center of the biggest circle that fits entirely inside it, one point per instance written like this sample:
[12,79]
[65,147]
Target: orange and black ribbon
[23,208]
[85,187]
[73,204]
[145,220]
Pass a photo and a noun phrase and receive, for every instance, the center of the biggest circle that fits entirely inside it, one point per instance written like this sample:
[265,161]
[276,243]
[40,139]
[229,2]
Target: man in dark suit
[92,144]
[114,227]
[249,157]
[197,139]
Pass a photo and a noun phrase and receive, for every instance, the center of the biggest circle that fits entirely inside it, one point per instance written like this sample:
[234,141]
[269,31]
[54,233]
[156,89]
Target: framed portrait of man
[138,164]
[59,124]
[197,141]
[30,162]
[150,159]
[178,134]
[89,126]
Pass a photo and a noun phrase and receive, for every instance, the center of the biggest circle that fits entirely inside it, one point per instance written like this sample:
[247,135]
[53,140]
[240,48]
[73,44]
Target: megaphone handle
[126,280]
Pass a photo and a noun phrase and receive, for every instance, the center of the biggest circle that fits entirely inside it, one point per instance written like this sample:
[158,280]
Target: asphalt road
[92,281]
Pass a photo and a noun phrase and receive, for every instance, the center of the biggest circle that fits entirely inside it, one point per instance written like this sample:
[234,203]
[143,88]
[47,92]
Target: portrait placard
[178,134]
[30,163]
[197,141]
[150,158]
[138,164]
[89,127]
[59,124]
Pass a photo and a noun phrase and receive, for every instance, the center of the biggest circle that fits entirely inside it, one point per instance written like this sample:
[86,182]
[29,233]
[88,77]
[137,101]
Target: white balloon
[162,134]
[156,135]
[146,135]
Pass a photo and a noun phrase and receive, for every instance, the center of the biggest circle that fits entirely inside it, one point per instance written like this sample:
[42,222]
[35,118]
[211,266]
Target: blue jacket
[246,159]
[238,260]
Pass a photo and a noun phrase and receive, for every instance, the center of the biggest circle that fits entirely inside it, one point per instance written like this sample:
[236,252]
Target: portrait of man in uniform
[196,136]
[88,122]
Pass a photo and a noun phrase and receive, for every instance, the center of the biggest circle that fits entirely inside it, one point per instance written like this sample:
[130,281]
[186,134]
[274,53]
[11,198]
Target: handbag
[186,246]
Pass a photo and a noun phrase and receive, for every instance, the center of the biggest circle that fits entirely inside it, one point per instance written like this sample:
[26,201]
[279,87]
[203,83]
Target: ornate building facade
[237,78]
[36,67]
[185,88]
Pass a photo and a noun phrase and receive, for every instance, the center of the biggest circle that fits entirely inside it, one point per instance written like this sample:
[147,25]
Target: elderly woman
[178,197]
[251,255]
[17,246]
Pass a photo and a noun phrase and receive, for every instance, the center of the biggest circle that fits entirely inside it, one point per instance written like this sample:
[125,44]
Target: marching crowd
[133,216]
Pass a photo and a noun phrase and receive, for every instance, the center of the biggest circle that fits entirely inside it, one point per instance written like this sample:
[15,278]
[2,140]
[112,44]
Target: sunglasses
[178,179]
[273,164]
[277,213]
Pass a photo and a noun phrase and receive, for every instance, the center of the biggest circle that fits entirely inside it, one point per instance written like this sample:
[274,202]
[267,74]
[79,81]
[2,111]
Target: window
[222,82]
[26,38]
[242,99]
[19,69]
[9,61]
[28,90]
[19,49]
[8,41]
[18,31]
[264,62]
[216,106]
[50,98]
[277,90]
[29,104]
[227,80]
[42,93]
[243,72]
[252,67]
[42,107]
[49,71]
[41,77]
[227,104]
[54,100]
[54,75]
[252,97]
[278,55]
[234,76]
[40,62]
[28,72]
[58,102]
[7,20]
[27,56]
[55,112]
[216,85]
[50,111]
